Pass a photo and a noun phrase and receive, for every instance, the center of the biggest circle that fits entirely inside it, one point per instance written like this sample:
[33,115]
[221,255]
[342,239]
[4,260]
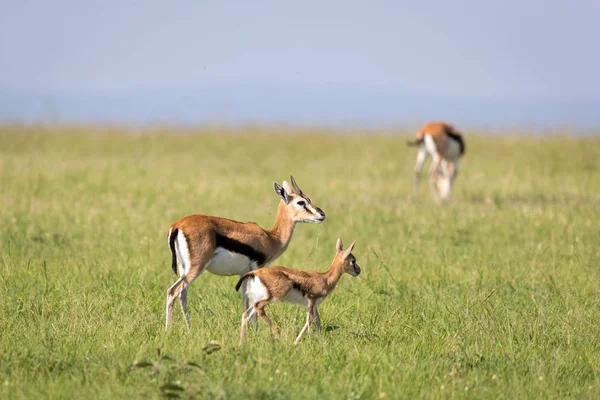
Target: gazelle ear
[339,246]
[281,192]
[287,187]
[349,249]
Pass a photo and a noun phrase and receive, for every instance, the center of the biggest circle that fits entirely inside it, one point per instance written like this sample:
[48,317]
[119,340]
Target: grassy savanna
[495,295]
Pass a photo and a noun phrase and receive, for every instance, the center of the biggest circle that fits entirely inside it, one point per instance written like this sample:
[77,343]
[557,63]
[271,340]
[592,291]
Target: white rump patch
[255,290]
[183,253]
[430,145]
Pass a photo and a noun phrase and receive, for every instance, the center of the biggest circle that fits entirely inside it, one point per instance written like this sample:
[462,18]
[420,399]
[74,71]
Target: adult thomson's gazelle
[306,288]
[225,247]
[445,145]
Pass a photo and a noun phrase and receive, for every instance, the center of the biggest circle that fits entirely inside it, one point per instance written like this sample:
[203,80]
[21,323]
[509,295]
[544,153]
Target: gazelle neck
[284,226]
[333,274]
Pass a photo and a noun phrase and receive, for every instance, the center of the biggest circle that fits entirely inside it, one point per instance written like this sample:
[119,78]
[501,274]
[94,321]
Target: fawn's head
[346,258]
[298,205]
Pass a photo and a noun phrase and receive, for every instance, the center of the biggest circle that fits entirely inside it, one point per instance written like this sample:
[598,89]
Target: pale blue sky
[534,49]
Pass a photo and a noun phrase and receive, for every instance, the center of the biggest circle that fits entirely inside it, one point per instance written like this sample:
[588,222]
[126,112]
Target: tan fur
[201,233]
[315,286]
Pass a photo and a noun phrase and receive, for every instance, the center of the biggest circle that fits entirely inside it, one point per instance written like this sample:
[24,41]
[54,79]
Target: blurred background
[118,118]
[506,64]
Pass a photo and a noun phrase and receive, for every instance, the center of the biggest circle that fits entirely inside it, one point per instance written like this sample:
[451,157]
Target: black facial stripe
[236,246]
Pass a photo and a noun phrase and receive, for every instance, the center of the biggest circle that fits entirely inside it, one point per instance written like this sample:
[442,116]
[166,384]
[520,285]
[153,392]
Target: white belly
[296,297]
[453,149]
[227,263]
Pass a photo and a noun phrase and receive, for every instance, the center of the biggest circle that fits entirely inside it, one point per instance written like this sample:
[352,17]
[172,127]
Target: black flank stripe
[299,288]
[172,239]
[241,248]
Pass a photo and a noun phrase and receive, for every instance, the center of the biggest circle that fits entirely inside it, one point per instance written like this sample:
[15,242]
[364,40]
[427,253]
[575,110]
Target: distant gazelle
[225,247]
[445,145]
[306,288]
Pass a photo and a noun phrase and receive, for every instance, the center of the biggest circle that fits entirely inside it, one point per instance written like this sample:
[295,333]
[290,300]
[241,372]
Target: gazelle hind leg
[246,315]
[183,301]
[246,301]
[259,306]
[182,255]
[180,285]
[170,302]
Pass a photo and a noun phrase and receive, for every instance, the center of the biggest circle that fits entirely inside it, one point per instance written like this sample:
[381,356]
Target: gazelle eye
[301,203]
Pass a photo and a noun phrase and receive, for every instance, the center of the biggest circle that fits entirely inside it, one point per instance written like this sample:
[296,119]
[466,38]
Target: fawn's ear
[349,249]
[281,192]
[339,247]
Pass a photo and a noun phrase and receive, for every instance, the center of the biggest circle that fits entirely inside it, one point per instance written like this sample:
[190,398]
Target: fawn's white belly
[296,297]
[228,263]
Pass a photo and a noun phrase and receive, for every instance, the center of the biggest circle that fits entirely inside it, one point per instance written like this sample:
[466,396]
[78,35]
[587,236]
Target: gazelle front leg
[317,319]
[309,319]
[183,301]
[445,184]
[183,296]
[433,171]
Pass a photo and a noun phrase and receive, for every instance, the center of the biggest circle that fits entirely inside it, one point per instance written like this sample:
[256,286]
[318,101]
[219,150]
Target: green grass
[496,295]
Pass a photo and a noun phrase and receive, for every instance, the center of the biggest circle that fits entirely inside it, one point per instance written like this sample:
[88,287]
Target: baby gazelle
[307,288]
